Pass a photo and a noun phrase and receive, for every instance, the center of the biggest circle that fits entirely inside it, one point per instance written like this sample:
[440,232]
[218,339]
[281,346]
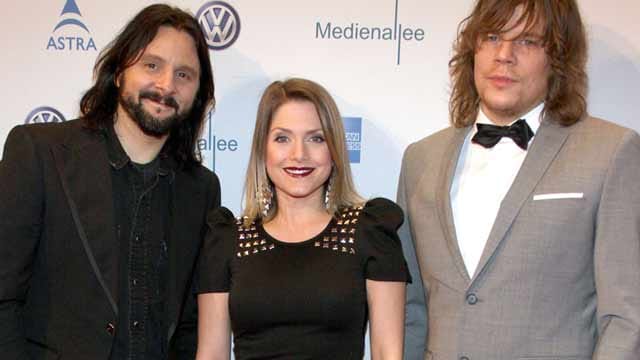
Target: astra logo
[396,32]
[71,34]
[220,24]
[209,144]
[44,114]
[353,135]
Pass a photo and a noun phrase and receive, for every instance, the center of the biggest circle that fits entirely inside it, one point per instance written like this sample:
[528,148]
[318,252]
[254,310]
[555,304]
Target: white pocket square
[558,196]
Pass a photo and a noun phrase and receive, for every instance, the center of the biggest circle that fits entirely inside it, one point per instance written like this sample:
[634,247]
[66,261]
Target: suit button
[111,329]
[472,299]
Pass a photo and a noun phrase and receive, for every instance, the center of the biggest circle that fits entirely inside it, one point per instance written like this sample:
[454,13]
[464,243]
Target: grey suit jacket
[559,278]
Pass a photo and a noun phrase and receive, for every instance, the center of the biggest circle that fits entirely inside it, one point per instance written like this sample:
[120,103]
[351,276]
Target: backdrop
[384,61]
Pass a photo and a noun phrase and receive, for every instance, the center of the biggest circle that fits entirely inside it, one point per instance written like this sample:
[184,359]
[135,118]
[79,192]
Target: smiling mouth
[157,99]
[298,171]
[161,104]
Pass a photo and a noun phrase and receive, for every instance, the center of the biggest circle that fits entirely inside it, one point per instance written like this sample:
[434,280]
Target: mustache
[157,97]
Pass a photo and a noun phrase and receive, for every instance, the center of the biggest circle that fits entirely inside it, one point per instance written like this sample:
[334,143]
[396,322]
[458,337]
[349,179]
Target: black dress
[304,300]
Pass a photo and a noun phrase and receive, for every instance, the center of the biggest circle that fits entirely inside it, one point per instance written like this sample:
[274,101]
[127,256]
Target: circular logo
[220,24]
[44,114]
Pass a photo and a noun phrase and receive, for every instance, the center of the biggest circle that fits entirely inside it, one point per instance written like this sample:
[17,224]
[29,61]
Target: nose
[505,52]
[299,150]
[166,82]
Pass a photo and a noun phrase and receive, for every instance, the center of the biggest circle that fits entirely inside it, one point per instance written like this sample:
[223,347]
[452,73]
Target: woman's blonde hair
[342,192]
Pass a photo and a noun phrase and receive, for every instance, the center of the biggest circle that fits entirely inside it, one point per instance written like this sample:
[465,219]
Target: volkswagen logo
[220,24]
[44,114]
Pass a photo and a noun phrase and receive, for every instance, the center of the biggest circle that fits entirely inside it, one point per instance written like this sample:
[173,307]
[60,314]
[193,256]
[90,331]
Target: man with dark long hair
[524,215]
[102,218]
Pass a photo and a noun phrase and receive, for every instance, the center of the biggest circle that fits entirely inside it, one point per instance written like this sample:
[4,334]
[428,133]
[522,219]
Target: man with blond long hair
[524,215]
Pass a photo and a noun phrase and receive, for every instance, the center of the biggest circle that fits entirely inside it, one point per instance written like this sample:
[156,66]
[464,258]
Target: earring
[327,191]
[265,197]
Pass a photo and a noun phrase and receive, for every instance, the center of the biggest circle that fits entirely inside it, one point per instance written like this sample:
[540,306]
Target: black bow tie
[489,135]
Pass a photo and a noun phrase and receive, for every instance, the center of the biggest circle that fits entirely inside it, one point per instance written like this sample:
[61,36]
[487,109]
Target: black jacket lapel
[185,237]
[83,167]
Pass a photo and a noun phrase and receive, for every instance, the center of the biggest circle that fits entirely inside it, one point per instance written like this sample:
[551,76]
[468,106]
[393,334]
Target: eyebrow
[528,33]
[524,33]
[290,131]
[183,67]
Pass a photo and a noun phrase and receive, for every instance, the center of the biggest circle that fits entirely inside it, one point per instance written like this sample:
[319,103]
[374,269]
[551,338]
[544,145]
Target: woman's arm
[386,318]
[214,327]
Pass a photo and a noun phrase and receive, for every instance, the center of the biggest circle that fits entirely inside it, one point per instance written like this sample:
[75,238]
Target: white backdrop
[398,88]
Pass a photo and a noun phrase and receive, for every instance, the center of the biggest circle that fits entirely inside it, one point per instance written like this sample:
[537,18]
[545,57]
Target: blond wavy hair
[565,45]
[343,191]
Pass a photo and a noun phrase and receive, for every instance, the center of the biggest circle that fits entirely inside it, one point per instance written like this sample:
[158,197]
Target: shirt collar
[118,158]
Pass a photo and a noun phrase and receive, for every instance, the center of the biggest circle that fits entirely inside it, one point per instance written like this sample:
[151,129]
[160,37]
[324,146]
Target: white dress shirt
[482,178]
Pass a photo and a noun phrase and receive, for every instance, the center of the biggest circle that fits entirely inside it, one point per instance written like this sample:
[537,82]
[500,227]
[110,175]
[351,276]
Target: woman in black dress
[309,262]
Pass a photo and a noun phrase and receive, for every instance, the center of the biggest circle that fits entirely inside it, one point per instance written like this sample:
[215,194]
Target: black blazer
[58,248]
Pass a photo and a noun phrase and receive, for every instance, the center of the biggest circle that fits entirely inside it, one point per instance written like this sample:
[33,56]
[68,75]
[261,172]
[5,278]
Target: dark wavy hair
[98,105]
[565,45]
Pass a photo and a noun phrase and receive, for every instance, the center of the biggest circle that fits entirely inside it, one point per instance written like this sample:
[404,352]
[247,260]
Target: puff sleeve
[378,242]
[213,273]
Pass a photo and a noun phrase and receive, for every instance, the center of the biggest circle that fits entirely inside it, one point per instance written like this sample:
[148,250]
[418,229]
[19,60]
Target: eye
[492,38]
[183,75]
[317,139]
[280,139]
[151,66]
[528,42]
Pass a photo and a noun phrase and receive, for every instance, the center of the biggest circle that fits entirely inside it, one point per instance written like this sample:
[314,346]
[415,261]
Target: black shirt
[141,200]
[303,300]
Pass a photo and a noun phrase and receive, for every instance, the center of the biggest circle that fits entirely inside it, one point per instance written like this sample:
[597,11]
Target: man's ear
[117,79]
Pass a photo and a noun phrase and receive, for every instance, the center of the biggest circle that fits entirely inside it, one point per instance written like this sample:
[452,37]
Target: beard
[149,124]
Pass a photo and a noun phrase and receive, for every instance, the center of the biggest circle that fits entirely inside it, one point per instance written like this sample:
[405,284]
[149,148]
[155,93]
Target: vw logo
[220,24]
[44,114]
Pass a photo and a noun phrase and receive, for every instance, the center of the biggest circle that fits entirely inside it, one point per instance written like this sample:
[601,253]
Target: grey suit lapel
[443,198]
[544,148]
[83,166]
